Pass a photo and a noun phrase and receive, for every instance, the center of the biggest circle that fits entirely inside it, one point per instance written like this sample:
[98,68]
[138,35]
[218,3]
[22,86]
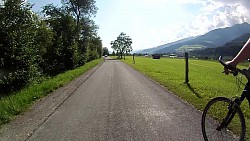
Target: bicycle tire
[210,122]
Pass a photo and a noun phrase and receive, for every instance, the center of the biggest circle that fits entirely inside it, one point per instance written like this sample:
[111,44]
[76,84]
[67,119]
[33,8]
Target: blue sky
[38,4]
[148,23]
[151,23]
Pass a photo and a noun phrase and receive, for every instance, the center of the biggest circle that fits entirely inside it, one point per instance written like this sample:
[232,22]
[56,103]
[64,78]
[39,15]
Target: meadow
[206,80]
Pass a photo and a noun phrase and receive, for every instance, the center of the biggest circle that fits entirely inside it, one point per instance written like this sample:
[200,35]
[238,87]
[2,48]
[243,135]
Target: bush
[19,55]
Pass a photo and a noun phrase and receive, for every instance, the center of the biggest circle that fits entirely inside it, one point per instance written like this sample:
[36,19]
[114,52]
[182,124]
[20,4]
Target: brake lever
[234,73]
[231,69]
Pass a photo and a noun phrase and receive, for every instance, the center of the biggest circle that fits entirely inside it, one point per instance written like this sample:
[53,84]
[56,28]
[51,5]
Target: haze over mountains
[213,39]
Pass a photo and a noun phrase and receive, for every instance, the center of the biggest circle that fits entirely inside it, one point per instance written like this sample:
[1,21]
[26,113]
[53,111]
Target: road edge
[24,125]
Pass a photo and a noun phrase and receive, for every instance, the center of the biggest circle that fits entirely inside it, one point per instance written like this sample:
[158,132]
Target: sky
[151,23]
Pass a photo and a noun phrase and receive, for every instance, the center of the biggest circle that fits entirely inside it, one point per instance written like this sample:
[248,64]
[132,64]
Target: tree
[114,45]
[105,51]
[19,55]
[128,45]
[62,54]
[123,44]
[95,48]
[31,47]
[81,8]
[113,53]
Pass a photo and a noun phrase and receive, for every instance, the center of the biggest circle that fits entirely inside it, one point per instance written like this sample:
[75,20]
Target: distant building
[172,55]
[156,56]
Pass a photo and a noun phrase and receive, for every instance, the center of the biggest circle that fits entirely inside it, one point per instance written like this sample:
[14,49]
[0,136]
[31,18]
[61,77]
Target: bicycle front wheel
[214,114]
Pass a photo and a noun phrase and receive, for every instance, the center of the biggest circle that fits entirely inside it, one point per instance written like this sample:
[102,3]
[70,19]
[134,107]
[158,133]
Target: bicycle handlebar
[231,68]
[235,70]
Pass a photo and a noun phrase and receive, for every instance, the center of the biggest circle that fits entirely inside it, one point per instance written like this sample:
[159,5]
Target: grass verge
[206,80]
[17,102]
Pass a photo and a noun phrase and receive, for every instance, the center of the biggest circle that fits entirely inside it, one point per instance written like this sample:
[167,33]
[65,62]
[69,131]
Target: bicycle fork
[230,114]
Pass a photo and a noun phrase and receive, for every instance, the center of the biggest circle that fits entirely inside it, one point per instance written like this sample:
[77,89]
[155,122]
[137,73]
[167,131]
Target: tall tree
[19,55]
[87,34]
[62,55]
[81,8]
[128,45]
[105,51]
[114,45]
[123,44]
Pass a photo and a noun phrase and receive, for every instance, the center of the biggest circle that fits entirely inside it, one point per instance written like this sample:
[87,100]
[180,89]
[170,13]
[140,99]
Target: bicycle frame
[236,102]
[246,93]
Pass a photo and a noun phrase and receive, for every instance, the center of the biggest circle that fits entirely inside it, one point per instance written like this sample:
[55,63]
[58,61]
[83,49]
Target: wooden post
[186,64]
[133,58]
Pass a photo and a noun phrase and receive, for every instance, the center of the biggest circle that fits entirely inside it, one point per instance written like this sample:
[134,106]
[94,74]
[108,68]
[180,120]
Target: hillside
[229,49]
[153,50]
[212,39]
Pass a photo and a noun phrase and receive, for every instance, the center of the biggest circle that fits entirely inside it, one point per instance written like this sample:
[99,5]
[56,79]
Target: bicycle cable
[239,83]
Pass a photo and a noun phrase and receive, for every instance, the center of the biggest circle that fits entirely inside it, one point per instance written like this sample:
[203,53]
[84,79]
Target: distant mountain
[239,41]
[155,49]
[230,49]
[212,39]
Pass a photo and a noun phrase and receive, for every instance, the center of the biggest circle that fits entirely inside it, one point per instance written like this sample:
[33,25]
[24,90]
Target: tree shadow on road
[192,90]
[112,59]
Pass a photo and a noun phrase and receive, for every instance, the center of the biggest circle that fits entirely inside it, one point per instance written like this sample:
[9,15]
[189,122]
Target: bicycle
[218,125]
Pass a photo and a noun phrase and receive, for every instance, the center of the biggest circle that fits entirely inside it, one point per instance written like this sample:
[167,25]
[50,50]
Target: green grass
[206,80]
[16,103]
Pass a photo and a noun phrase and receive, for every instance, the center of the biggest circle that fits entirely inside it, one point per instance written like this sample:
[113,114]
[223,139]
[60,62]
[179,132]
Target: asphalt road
[114,103]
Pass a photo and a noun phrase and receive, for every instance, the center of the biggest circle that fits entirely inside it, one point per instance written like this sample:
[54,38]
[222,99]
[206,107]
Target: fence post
[186,64]
[133,58]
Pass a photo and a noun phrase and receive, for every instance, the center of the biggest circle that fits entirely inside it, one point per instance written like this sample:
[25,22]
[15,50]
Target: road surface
[113,103]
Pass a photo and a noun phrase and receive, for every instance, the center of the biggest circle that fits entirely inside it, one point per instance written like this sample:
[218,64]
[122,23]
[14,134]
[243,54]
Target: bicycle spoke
[214,115]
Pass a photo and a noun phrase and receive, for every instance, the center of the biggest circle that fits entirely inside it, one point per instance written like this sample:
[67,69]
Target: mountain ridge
[212,39]
[230,49]
[152,50]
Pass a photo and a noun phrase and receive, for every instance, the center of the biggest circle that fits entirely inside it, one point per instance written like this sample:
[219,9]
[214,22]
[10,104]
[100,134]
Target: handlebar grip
[233,69]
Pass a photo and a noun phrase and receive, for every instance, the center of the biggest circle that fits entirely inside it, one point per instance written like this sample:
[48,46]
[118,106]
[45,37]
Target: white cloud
[229,12]
[217,14]
[213,14]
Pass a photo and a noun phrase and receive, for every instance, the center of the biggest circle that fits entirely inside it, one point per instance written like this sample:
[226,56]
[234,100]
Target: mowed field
[206,80]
